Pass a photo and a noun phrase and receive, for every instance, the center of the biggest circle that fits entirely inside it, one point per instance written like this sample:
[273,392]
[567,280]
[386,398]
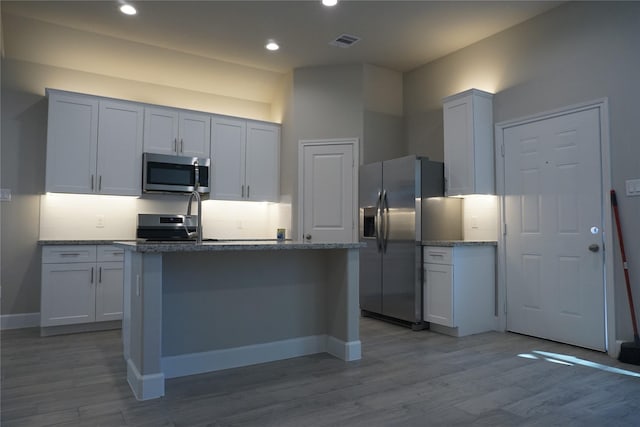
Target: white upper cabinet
[178,132]
[120,148]
[246,160]
[72,139]
[94,145]
[227,158]
[468,143]
[262,168]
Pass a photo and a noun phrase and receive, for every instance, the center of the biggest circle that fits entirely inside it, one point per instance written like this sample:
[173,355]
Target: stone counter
[453,243]
[229,245]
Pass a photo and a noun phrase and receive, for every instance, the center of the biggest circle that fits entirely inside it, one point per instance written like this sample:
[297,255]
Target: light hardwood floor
[405,378]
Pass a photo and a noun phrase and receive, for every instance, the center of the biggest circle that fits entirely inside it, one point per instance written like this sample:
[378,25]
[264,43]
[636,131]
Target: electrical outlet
[99,221]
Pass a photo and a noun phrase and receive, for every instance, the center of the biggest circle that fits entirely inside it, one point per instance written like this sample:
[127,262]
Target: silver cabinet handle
[91,274]
[248,191]
[181,145]
[100,183]
[594,247]
[175,145]
[100,275]
[70,254]
[308,237]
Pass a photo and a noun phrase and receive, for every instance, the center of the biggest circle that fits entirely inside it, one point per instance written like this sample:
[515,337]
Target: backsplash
[88,217]
[480,217]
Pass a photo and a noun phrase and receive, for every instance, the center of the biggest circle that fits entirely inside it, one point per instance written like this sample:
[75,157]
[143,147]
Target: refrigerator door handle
[384,213]
[378,220]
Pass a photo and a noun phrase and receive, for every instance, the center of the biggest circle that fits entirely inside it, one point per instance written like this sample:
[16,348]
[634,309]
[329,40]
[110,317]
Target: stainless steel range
[163,227]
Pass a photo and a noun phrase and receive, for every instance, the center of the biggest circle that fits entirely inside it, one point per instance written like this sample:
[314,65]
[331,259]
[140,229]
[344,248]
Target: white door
[328,192]
[553,216]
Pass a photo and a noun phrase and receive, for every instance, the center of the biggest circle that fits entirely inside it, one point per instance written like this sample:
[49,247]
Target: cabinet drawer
[68,254]
[108,253]
[438,255]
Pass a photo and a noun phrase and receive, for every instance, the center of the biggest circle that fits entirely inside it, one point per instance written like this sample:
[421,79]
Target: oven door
[166,173]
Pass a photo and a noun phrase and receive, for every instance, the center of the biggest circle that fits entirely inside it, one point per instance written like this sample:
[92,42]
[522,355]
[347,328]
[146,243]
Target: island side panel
[222,300]
[343,312]
[143,328]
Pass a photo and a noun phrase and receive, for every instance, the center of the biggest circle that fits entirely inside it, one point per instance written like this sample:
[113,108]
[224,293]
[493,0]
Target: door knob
[594,247]
[308,237]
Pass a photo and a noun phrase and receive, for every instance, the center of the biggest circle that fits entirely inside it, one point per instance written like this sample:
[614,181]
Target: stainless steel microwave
[175,174]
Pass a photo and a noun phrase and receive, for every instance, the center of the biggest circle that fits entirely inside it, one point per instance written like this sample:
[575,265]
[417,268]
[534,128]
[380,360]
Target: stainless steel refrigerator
[402,203]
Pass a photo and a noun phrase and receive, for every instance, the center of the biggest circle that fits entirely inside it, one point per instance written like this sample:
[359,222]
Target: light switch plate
[633,187]
[5,194]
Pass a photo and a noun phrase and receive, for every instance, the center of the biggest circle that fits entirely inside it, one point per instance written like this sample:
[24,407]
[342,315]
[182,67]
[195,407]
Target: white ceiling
[228,37]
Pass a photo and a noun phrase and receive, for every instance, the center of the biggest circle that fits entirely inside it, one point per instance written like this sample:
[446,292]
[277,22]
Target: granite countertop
[78,242]
[451,243]
[229,245]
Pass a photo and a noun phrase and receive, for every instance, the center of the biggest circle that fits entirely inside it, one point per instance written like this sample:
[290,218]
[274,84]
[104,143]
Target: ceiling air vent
[345,40]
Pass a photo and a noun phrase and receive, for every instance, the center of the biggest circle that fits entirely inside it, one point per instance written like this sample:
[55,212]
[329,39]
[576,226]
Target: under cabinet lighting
[329,3]
[128,9]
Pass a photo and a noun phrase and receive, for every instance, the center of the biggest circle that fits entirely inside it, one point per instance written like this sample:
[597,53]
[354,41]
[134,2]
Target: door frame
[355,144]
[602,105]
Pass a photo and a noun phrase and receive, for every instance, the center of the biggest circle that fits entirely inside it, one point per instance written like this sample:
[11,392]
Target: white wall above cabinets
[179,132]
[94,145]
[468,143]
[246,160]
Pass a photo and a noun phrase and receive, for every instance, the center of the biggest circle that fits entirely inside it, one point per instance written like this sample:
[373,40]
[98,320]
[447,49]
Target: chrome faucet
[198,233]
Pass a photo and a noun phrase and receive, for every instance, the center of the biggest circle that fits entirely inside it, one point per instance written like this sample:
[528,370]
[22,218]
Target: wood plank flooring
[405,378]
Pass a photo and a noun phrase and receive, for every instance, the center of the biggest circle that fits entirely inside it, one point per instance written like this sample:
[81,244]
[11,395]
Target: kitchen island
[192,308]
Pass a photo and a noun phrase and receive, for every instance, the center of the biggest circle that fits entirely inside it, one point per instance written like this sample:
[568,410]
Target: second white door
[328,194]
[554,241]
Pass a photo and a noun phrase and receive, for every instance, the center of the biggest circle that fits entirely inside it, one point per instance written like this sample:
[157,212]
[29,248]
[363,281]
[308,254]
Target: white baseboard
[19,321]
[144,387]
[346,351]
[209,361]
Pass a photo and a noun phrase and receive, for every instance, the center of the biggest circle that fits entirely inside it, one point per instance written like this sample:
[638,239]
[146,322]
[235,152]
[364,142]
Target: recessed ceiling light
[271,45]
[329,2]
[128,9]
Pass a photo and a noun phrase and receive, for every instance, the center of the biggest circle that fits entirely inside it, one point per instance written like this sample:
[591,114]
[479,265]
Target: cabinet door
[194,135]
[110,282]
[68,294]
[227,158]
[468,143]
[120,148]
[438,294]
[458,147]
[160,130]
[72,137]
[262,168]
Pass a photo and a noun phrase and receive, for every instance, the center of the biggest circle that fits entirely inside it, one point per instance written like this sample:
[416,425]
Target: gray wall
[578,52]
[24,118]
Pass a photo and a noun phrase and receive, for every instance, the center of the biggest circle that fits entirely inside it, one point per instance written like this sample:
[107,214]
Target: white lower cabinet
[459,289]
[81,284]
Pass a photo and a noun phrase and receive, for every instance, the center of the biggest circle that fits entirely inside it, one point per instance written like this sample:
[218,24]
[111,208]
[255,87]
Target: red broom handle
[614,202]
